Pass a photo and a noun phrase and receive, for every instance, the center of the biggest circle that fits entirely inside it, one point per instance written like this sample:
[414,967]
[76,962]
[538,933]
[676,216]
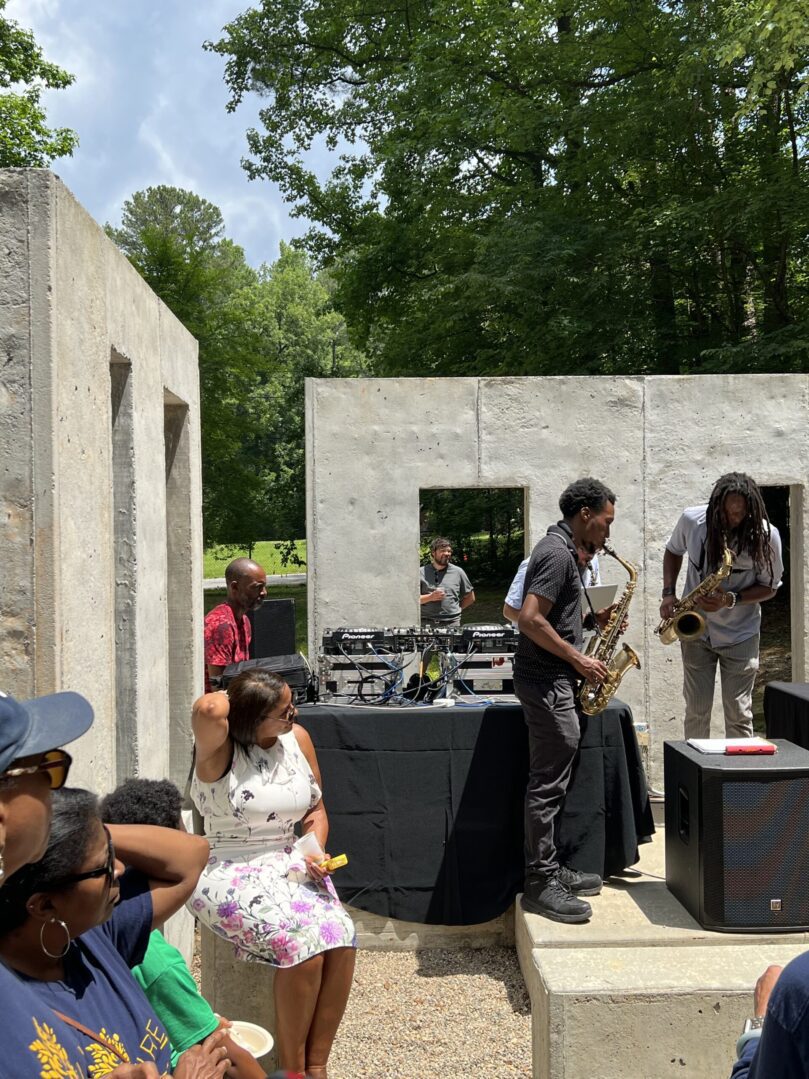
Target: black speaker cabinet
[737,837]
[273,629]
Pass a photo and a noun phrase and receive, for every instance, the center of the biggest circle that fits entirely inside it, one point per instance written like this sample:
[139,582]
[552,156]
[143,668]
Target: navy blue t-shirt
[783,1049]
[99,991]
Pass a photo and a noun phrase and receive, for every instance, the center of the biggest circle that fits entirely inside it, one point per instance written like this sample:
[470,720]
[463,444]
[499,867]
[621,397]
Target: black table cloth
[786,711]
[428,805]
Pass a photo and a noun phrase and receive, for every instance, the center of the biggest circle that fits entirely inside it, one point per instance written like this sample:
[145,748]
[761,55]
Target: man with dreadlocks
[735,516]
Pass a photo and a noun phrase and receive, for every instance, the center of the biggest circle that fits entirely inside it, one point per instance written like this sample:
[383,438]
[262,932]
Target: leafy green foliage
[260,333]
[485,527]
[609,186]
[25,138]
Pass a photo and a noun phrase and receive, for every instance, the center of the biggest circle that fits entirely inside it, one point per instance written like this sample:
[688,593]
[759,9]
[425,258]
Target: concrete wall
[660,443]
[100,489]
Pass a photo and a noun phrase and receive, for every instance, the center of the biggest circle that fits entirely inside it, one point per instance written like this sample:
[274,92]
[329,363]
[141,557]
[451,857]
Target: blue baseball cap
[29,727]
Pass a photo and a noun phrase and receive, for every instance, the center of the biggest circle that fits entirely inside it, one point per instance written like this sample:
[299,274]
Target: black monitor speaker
[273,629]
[737,837]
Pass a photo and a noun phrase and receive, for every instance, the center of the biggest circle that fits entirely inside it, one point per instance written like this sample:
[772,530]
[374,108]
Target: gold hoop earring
[65,950]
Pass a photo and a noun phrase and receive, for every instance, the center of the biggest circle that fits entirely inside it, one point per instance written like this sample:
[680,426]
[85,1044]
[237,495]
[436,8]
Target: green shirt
[172,992]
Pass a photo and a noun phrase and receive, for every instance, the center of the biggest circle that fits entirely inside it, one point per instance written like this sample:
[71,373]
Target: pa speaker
[737,837]
[293,669]
[273,627]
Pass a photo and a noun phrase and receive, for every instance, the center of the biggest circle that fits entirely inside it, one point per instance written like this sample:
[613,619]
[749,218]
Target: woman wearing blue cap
[31,767]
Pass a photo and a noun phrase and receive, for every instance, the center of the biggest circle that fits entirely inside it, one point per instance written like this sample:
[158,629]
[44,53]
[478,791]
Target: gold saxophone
[687,623]
[595,696]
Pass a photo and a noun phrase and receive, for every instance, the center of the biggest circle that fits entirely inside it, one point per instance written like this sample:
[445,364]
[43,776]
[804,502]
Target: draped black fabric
[786,711]
[428,805]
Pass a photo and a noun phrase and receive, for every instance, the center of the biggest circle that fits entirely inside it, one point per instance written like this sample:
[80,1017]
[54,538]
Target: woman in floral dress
[256,776]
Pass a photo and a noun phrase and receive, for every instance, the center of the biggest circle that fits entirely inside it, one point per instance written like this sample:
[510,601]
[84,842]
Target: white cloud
[149,107]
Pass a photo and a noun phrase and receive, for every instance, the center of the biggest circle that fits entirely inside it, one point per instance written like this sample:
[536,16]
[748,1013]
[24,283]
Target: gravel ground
[442,1013]
[449,1013]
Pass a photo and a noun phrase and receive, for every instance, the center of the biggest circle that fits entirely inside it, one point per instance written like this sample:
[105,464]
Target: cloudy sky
[149,108]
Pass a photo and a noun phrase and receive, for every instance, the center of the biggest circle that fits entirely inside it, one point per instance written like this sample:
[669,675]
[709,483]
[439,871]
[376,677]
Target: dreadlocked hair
[754,531]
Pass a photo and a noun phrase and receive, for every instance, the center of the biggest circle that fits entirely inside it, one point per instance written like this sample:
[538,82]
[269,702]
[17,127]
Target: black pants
[550,714]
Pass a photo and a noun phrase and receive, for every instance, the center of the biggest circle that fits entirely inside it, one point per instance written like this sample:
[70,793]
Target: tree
[25,138]
[602,186]
[261,334]
[175,239]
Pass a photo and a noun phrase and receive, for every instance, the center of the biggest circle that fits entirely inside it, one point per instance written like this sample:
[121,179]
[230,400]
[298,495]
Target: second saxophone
[687,623]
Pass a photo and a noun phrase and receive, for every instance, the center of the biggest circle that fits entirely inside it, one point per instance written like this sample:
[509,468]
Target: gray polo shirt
[455,584]
[727,626]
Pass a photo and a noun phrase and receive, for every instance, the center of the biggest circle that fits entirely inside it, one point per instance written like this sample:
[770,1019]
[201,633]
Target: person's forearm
[163,854]
[468,600]
[671,570]
[511,614]
[426,598]
[755,593]
[317,821]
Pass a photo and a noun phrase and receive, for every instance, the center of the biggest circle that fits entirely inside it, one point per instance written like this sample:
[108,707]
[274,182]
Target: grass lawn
[265,553]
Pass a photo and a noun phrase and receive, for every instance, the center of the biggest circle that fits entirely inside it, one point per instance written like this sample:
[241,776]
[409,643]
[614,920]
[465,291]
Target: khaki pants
[738,664]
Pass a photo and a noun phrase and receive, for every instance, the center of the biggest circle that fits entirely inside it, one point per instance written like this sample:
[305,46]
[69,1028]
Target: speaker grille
[765,854]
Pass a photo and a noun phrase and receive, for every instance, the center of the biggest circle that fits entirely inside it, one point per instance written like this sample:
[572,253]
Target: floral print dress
[255,890]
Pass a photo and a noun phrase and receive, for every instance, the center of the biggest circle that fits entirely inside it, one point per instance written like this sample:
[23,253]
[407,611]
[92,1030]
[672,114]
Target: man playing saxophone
[548,667]
[734,518]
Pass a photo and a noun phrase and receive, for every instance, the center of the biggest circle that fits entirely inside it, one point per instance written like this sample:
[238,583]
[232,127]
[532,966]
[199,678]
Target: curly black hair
[584,492]
[754,531]
[144,801]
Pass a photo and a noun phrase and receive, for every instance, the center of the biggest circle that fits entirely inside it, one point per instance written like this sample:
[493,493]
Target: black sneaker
[553,900]
[580,883]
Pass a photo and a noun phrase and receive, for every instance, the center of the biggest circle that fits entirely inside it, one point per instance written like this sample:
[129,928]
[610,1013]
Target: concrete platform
[642,990]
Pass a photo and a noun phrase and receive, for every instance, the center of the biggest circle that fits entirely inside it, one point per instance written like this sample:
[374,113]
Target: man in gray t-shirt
[445,588]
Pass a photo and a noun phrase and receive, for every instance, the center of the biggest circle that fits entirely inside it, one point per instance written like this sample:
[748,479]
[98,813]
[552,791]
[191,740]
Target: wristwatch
[668,592]
[734,599]
[752,1029]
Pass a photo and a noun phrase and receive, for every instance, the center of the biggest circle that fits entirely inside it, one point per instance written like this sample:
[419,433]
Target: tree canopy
[534,187]
[261,333]
[25,138]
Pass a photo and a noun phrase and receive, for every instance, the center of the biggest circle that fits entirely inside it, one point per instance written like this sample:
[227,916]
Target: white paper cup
[250,1036]
[308,846]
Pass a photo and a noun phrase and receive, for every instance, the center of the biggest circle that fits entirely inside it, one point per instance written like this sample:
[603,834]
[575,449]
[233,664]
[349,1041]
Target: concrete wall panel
[70,304]
[660,443]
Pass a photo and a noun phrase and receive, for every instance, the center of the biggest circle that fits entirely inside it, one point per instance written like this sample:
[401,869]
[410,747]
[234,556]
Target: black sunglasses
[107,870]
[55,764]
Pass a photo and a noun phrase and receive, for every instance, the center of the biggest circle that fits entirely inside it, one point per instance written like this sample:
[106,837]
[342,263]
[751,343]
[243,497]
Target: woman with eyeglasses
[30,768]
[256,776]
[71,927]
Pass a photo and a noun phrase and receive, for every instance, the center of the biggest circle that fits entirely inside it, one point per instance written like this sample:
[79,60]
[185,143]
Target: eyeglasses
[55,764]
[288,713]
[106,870]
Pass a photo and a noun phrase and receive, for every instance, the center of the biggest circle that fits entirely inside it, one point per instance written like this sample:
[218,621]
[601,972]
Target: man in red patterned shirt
[227,627]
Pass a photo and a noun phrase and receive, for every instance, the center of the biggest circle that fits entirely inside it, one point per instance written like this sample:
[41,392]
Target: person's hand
[134,1071]
[591,669]
[713,602]
[605,614]
[765,986]
[437,594]
[668,605]
[206,1061]
[314,870]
